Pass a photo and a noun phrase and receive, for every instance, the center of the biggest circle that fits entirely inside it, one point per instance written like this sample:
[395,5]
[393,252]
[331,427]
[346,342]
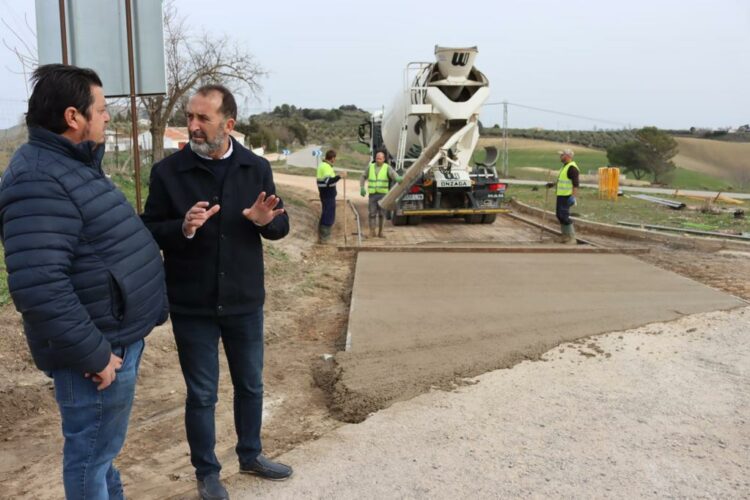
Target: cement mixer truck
[430,134]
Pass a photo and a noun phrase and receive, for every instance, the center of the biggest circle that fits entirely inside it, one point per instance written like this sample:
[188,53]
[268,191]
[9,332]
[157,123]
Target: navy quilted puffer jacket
[83,270]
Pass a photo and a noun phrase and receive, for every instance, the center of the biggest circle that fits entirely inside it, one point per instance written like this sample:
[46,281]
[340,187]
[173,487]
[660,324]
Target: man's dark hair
[330,154]
[56,88]
[228,106]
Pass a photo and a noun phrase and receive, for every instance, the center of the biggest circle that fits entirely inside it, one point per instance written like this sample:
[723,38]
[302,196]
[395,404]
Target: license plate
[413,197]
[451,183]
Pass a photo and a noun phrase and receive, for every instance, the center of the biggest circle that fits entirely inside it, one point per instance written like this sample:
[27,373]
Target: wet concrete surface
[421,320]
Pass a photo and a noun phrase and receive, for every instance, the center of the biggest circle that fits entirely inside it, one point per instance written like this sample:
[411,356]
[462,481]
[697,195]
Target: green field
[688,179]
[520,159]
[627,209]
[589,160]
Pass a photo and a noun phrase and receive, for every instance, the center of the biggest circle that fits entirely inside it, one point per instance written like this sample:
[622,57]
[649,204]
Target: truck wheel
[473,218]
[488,218]
[414,220]
[399,220]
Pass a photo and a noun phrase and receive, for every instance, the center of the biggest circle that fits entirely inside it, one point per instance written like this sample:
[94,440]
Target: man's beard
[87,136]
[207,148]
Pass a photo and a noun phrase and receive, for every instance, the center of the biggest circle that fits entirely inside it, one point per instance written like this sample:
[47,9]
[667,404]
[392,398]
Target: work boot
[321,235]
[372,230]
[380,228]
[564,236]
[571,235]
[325,233]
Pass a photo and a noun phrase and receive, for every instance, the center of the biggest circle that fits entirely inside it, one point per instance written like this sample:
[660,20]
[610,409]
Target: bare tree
[192,62]
[22,49]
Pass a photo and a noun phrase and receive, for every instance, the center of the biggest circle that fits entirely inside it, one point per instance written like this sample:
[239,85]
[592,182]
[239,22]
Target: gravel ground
[658,411]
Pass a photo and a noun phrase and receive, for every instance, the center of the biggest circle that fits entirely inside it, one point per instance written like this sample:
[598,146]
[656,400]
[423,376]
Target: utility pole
[505,139]
[63,32]
[117,150]
[133,107]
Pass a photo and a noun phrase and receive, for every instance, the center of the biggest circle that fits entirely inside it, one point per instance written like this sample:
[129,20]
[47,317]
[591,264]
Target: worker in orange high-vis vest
[567,190]
[378,176]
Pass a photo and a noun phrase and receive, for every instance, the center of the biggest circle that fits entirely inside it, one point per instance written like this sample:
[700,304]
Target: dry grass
[727,160]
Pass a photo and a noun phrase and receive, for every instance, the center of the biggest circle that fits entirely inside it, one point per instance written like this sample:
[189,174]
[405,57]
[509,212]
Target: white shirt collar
[226,155]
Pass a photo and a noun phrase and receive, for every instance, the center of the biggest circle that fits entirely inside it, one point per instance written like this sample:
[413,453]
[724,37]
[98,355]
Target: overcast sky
[673,64]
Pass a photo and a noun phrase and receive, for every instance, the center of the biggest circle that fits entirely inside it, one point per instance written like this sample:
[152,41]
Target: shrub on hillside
[650,153]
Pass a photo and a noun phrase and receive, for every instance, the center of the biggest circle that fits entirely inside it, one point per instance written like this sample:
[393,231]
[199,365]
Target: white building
[117,140]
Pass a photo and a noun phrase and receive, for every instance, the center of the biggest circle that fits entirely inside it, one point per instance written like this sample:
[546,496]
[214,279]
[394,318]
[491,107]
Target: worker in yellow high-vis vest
[377,176]
[567,191]
[326,181]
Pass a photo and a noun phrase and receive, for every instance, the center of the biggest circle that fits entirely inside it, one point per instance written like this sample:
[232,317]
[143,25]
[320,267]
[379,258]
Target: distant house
[176,138]
[117,140]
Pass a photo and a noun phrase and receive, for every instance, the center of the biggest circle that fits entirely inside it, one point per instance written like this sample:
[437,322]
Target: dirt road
[304,157]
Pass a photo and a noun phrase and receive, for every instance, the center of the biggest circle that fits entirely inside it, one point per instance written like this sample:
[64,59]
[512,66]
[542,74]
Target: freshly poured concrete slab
[419,320]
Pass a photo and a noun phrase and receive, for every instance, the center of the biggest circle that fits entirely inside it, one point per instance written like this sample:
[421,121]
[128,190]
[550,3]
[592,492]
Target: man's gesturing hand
[104,378]
[263,210]
[196,217]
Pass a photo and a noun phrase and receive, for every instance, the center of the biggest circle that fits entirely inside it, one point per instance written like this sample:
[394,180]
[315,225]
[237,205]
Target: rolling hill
[727,160]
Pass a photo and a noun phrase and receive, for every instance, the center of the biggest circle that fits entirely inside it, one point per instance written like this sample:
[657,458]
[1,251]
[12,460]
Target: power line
[561,113]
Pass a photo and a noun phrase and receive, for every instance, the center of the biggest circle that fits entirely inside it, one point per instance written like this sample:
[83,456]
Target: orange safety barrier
[609,183]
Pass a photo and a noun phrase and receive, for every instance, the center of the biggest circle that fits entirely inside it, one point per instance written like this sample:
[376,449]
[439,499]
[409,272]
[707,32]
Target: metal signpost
[122,40]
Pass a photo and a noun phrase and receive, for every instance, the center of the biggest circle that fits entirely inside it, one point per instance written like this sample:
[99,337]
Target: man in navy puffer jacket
[83,271]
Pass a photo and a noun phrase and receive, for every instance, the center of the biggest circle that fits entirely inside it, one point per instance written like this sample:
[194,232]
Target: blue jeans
[197,340]
[94,424]
[562,210]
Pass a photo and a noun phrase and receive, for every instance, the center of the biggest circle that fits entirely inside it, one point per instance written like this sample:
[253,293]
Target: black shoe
[212,489]
[266,469]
